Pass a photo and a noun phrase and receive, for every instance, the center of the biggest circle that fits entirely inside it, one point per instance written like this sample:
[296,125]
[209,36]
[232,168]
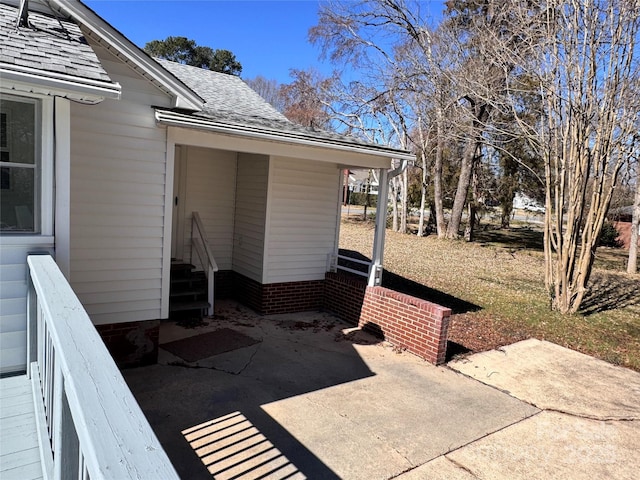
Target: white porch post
[375,273]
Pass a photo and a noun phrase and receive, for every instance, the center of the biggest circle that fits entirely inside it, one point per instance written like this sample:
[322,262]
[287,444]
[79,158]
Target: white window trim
[45,175]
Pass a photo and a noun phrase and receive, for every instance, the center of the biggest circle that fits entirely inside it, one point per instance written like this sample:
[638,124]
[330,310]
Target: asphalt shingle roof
[230,101]
[49,44]
[224,93]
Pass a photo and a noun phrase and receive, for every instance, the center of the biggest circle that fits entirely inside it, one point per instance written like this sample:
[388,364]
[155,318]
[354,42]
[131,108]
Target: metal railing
[334,265]
[200,245]
[90,425]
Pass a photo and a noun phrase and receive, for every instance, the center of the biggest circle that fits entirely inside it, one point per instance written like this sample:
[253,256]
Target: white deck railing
[373,272]
[334,264]
[200,246]
[90,425]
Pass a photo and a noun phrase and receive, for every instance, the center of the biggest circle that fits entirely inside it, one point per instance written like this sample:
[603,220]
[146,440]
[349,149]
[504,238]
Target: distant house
[107,153]
[361,180]
[523,202]
[621,218]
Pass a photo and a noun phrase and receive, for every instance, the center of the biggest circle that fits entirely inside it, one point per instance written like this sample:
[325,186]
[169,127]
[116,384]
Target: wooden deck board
[19,449]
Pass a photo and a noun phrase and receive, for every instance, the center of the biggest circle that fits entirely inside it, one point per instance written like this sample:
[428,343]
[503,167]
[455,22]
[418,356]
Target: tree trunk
[632,265]
[423,204]
[469,230]
[481,115]
[505,218]
[394,204]
[423,184]
[403,202]
[464,181]
[437,175]
[437,189]
[366,197]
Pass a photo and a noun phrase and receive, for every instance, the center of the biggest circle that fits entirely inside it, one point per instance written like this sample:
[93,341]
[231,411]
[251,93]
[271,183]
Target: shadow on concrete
[209,415]
[405,285]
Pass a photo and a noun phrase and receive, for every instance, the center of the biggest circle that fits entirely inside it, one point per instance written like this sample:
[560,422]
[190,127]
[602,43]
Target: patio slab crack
[236,372]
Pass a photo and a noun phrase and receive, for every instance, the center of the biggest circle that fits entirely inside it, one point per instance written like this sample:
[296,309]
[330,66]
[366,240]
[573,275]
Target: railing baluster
[40,336]
[87,415]
[65,448]
[32,326]
[47,383]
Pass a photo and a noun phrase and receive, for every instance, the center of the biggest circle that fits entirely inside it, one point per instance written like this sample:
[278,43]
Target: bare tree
[303,101]
[391,45]
[269,89]
[582,54]
[632,264]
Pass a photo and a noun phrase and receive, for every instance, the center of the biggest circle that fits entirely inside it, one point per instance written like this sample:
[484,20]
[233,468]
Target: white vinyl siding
[301,222]
[13,301]
[210,191]
[251,205]
[118,170]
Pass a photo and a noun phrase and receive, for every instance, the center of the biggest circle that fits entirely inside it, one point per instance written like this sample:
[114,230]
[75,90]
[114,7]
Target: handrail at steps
[91,425]
[199,241]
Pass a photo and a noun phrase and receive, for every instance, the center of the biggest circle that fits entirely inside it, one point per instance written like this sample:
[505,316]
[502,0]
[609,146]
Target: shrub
[609,236]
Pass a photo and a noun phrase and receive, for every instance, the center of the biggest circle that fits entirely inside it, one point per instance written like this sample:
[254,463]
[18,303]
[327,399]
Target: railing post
[32,324]
[211,290]
[193,220]
[375,273]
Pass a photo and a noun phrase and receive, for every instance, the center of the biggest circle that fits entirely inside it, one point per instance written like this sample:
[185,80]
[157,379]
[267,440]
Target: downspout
[375,273]
[397,171]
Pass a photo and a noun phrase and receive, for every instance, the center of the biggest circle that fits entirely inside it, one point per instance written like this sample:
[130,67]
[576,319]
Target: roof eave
[53,83]
[174,119]
[119,45]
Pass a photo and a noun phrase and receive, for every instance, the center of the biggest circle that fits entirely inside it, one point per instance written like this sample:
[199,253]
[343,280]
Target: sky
[268,37]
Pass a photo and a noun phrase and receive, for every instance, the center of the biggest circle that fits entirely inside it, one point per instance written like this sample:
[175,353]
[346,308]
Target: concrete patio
[305,396]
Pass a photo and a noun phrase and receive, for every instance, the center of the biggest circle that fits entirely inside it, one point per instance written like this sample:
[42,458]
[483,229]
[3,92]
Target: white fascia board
[123,48]
[23,79]
[359,155]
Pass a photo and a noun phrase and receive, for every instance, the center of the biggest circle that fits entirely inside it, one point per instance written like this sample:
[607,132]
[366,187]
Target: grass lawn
[495,287]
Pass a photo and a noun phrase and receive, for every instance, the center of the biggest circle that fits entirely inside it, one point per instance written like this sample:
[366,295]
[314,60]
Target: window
[20,164]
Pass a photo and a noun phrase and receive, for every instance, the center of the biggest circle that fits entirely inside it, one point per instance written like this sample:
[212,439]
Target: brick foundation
[344,296]
[132,344]
[408,322]
[224,280]
[273,298]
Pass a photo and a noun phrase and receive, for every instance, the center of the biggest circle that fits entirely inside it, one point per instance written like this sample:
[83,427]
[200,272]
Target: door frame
[179,202]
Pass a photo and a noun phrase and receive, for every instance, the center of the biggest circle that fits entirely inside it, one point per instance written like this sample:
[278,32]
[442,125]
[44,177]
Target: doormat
[196,348]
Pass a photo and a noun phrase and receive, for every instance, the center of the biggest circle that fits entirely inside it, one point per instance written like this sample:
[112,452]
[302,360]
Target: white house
[105,155]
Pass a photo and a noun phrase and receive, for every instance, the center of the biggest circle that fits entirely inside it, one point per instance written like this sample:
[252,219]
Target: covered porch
[268,211]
